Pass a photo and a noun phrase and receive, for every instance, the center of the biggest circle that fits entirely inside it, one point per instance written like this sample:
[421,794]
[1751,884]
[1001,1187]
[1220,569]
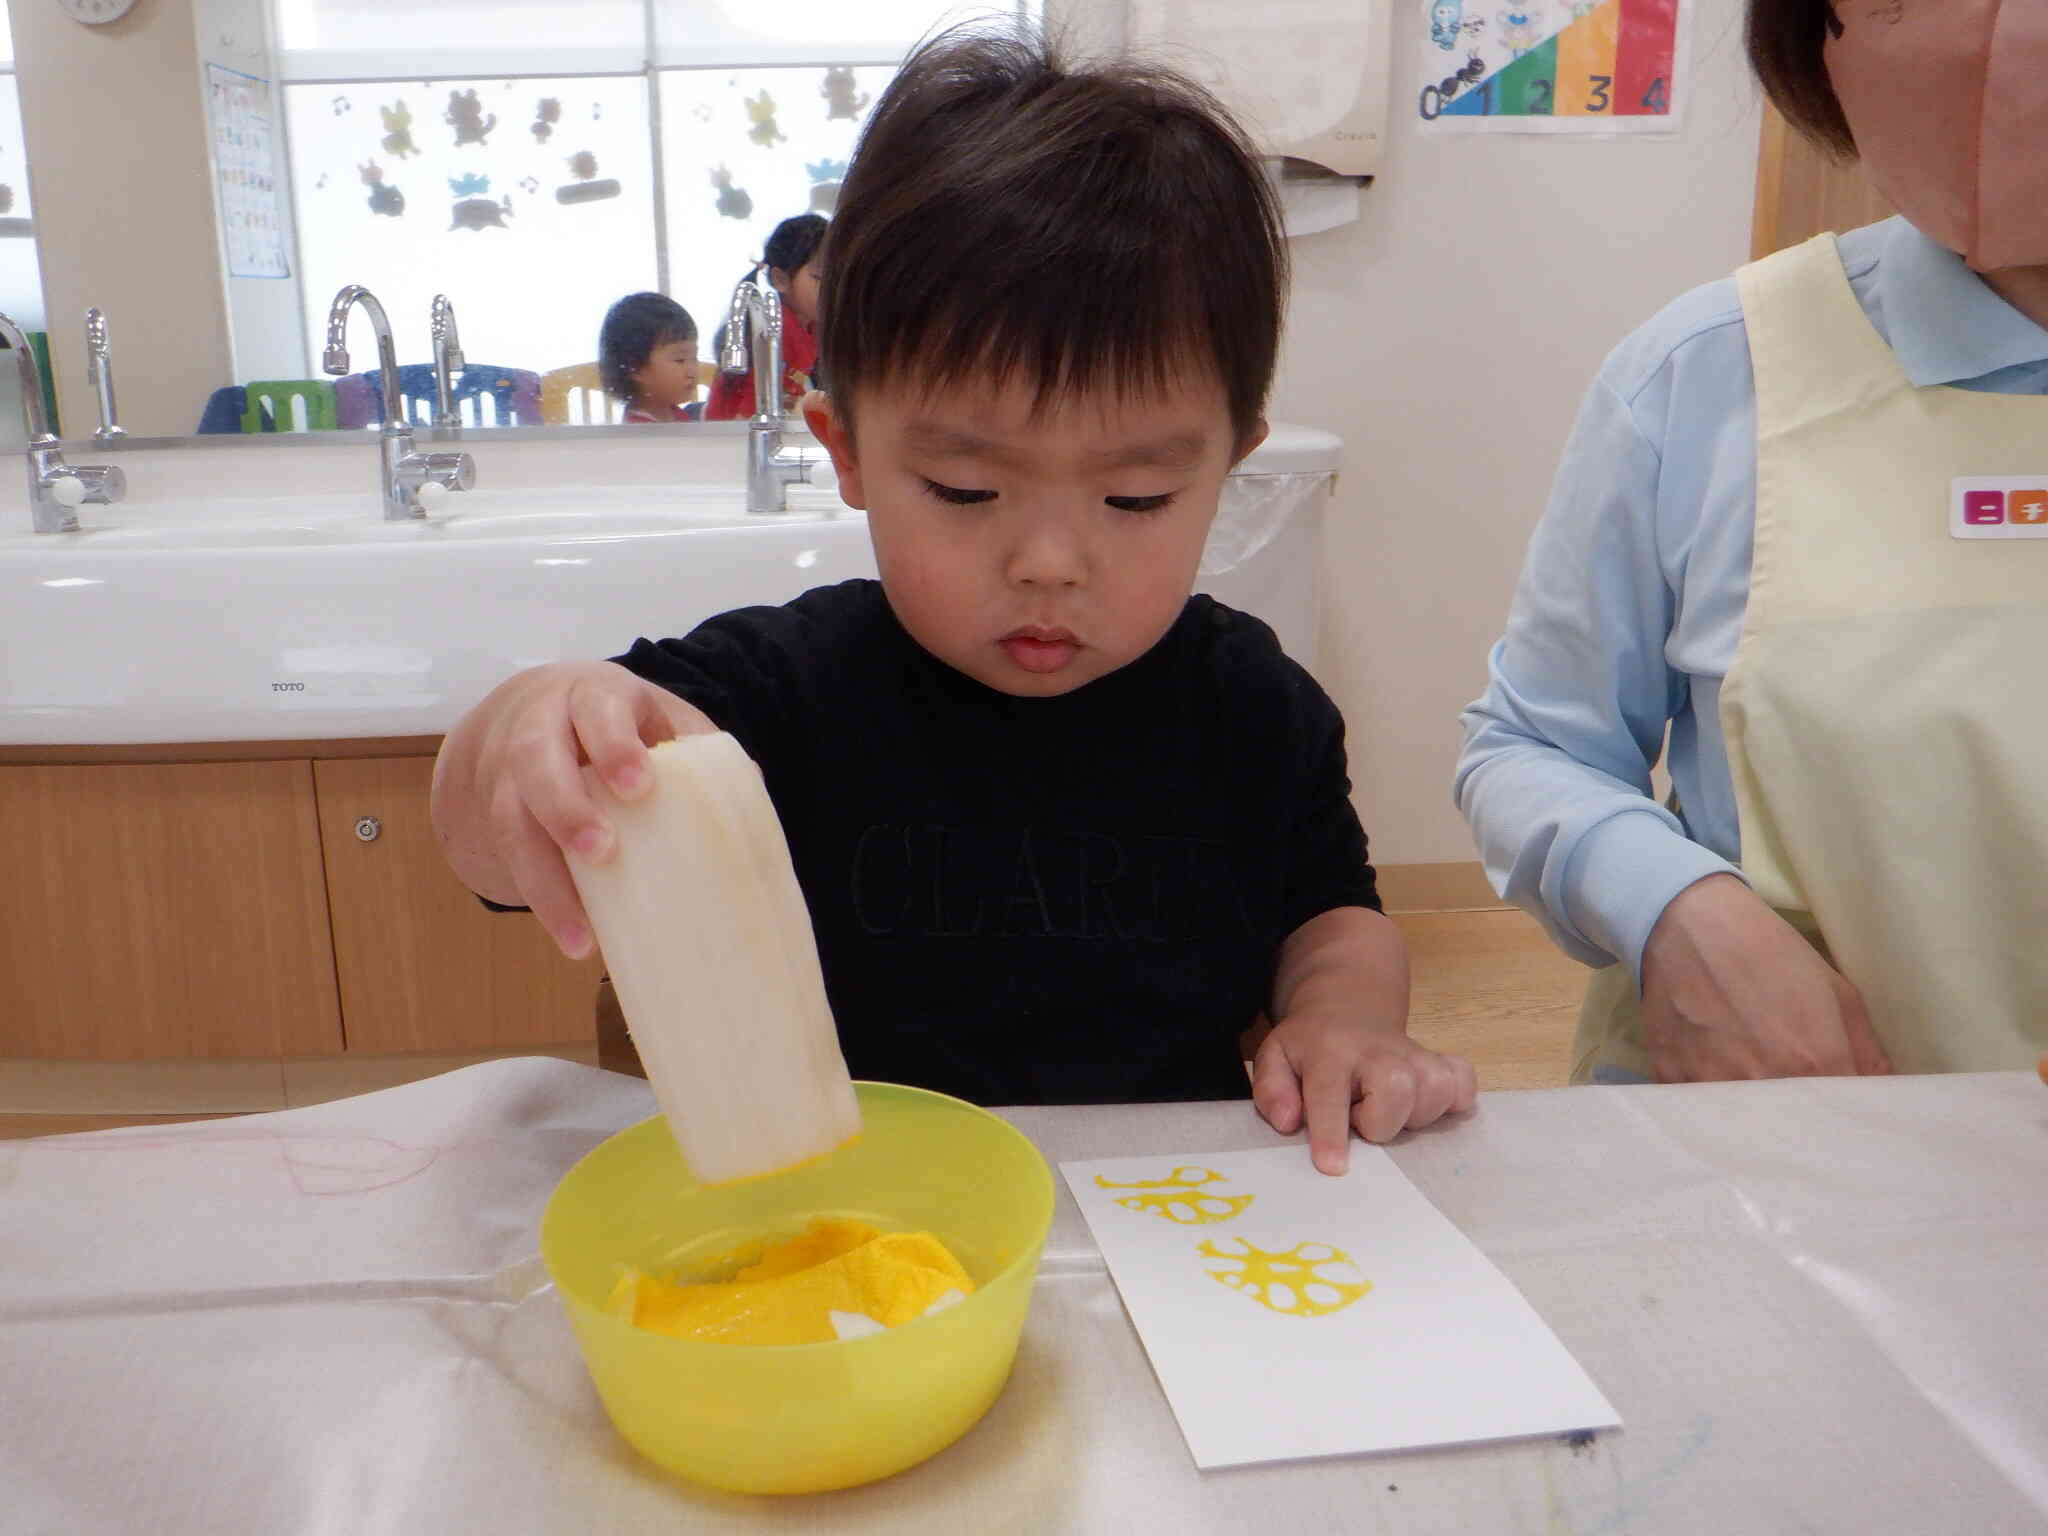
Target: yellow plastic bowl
[804,1418]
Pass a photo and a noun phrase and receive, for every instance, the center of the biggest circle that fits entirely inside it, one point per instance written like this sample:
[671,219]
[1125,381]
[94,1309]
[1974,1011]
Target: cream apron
[1884,713]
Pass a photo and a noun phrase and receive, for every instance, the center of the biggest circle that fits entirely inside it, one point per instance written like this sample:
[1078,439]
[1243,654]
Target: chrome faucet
[56,490]
[447,360]
[771,468]
[99,368]
[413,483]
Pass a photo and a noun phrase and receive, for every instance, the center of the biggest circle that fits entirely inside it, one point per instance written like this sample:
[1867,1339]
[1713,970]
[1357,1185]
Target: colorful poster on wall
[1551,66]
[252,219]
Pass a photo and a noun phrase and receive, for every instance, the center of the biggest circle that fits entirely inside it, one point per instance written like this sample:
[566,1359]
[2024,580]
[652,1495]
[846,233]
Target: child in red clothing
[647,357]
[791,257]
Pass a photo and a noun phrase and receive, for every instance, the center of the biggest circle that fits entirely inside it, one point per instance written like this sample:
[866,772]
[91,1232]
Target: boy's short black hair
[633,328]
[1786,40]
[1009,214]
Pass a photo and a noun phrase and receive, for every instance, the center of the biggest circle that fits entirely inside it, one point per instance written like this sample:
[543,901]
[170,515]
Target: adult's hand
[1732,990]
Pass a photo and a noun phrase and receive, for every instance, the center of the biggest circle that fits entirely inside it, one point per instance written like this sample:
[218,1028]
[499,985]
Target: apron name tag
[1998,507]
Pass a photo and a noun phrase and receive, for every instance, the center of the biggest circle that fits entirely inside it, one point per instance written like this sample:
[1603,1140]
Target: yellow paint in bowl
[803,1418]
[792,1292]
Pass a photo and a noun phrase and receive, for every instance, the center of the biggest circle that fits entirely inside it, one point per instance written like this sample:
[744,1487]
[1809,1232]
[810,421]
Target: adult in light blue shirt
[1633,593]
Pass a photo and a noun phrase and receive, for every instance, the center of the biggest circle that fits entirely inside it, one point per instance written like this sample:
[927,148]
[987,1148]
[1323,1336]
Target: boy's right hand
[510,793]
[1732,990]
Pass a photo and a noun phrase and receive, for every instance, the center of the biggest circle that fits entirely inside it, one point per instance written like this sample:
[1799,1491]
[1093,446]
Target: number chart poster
[244,154]
[1551,66]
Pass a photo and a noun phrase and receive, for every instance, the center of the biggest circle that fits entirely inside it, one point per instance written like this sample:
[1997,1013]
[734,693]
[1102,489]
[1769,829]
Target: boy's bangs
[1050,345]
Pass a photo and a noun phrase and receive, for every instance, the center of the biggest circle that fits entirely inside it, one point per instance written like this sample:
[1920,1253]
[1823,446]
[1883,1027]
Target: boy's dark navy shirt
[1069,900]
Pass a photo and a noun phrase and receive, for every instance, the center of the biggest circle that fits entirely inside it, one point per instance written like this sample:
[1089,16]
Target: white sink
[225,618]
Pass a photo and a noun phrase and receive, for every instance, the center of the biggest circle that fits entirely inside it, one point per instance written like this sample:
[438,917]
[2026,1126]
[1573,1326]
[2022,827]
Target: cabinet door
[1800,191]
[423,965]
[163,909]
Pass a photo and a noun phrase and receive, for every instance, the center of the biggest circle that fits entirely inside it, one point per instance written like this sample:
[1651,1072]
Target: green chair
[274,397]
[39,343]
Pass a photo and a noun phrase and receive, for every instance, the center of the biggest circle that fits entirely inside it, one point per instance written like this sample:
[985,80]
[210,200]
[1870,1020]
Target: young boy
[1066,833]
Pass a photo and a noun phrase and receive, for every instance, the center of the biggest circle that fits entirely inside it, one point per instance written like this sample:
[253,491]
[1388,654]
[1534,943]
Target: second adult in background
[1769,531]
[791,260]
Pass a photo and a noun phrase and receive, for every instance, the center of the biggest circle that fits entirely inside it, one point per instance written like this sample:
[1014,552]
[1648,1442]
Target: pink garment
[1949,105]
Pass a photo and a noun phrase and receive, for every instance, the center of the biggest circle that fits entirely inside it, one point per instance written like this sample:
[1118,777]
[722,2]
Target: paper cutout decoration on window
[545,115]
[1180,1197]
[480,213]
[761,113]
[842,97]
[583,165]
[825,176]
[341,105]
[398,130]
[469,184]
[384,199]
[733,202]
[465,115]
[1307,1280]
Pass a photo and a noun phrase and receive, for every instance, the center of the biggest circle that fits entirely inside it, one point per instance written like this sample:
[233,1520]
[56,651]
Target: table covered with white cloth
[1817,1305]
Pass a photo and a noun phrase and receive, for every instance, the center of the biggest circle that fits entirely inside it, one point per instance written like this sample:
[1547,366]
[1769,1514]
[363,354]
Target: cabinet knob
[367,828]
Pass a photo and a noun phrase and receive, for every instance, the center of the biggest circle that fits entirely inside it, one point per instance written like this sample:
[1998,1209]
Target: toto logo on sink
[287,687]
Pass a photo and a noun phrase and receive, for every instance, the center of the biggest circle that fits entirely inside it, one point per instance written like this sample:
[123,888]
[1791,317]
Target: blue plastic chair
[514,392]
[224,410]
[415,392]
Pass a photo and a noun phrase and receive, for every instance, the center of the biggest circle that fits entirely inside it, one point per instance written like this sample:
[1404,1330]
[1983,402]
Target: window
[537,159]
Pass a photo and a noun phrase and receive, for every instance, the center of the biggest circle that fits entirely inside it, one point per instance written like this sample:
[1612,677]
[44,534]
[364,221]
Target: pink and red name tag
[1998,507]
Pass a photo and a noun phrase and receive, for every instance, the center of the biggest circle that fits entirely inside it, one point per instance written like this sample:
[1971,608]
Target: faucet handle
[74,485]
[428,478]
[105,484]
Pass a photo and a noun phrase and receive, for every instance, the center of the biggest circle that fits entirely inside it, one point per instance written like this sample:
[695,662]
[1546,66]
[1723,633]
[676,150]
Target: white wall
[1447,337]
[117,151]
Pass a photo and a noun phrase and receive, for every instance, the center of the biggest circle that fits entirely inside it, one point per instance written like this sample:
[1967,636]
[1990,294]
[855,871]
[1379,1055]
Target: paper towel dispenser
[1307,77]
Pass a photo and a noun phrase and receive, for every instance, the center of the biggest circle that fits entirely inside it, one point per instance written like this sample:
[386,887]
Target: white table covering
[1818,1305]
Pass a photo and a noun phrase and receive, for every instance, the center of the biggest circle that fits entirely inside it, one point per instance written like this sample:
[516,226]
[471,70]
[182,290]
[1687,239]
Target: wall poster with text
[1551,66]
[252,217]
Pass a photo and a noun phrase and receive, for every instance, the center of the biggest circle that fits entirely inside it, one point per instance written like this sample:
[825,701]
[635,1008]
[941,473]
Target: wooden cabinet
[1800,191]
[229,909]
[163,909]
[422,964]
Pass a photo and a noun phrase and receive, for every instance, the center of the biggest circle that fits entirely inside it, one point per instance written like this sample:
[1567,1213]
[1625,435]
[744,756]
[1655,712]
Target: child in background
[647,358]
[791,261]
[1067,834]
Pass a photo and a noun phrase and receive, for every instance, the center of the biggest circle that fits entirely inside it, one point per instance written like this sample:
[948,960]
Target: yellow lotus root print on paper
[1307,1280]
[1172,1197]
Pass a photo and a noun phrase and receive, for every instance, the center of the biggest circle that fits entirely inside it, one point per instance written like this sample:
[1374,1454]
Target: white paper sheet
[1291,1314]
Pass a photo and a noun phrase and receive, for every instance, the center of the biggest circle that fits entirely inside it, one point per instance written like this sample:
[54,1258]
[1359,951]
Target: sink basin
[225,618]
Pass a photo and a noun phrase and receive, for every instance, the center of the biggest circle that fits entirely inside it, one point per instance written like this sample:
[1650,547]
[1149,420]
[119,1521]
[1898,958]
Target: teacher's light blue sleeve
[1555,772]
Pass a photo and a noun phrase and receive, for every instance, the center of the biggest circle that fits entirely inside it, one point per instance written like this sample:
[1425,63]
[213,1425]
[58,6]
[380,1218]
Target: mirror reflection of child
[791,261]
[647,358]
[1067,833]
